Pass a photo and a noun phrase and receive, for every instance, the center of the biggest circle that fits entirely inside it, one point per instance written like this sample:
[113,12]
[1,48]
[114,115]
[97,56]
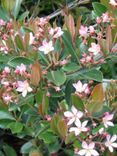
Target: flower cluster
[90,147]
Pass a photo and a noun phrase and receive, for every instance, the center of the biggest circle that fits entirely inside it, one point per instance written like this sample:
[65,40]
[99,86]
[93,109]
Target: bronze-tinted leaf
[62,128]
[108,39]
[36,74]
[71,25]
[97,94]
[95,104]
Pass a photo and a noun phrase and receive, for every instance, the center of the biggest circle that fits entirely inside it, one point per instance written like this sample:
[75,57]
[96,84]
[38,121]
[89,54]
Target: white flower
[46,47]
[88,149]
[23,87]
[95,48]
[81,127]
[110,143]
[80,88]
[73,115]
[113,2]
[107,120]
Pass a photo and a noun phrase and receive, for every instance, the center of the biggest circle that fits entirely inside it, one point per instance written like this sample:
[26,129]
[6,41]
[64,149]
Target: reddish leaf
[71,25]
[62,128]
[36,74]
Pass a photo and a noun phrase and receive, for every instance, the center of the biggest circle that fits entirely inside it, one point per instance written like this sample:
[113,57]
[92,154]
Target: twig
[109,81]
[69,6]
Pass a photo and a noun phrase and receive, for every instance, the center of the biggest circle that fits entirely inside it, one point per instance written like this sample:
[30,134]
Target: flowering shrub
[58,84]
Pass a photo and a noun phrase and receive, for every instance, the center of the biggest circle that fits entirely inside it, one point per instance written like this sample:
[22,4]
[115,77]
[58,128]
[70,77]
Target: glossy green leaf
[89,74]
[99,8]
[16,127]
[19,42]
[69,47]
[17,8]
[58,77]
[26,148]
[77,102]
[9,150]
[6,115]
[16,61]
[71,67]
[4,15]
[8,5]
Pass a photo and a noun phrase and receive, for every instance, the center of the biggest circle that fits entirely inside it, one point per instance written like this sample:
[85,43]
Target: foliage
[58,87]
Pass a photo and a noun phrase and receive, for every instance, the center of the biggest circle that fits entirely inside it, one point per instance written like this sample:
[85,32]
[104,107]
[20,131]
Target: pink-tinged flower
[91,30]
[42,21]
[56,33]
[4,49]
[20,69]
[98,20]
[105,17]
[23,87]
[46,47]
[88,149]
[107,120]
[110,142]
[2,23]
[113,2]
[7,98]
[80,127]
[57,89]
[101,130]
[81,88]
[95,48]
[31,39]
[73,115]
[83,31]
[6,70]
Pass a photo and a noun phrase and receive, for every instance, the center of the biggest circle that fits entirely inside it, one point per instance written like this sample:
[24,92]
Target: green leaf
[19,42]
[23,16]
[26,148]
[6,115]
[9,150]
[16,127]
[96,130]
[4,15]
[16,61]
[89,74]
[99,8]
[68,46]
[71,67]
[77,102]
[8,5]
[47,137]
[62,128]
[17,8]
[58,77]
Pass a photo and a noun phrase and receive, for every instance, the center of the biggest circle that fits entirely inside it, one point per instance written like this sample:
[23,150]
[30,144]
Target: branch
[69,6]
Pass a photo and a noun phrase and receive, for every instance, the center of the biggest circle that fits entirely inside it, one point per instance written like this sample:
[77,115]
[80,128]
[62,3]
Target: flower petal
[84,145]
[110,148]
[71,121]
[94,152]
[82,152]
[74,110]
[68,114]
[114,138]
[78,123]
[114,145]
